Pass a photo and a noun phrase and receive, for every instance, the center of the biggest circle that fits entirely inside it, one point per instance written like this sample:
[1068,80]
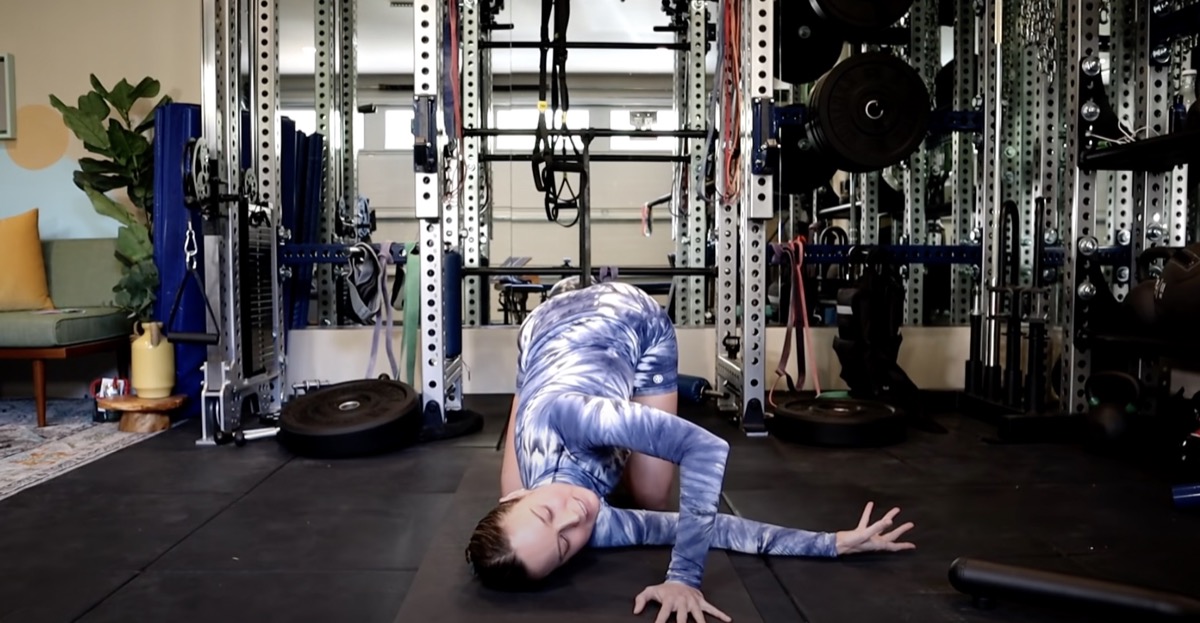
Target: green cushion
[25,329]
[81,272]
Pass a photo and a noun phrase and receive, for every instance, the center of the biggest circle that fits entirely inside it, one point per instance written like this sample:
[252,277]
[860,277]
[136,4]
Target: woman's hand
[676,597]
[872,538]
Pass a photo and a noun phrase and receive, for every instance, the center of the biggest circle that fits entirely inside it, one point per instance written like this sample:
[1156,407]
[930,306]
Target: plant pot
[151,362]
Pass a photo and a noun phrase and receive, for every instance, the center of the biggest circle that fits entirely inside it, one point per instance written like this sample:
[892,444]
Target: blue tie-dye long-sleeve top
[582,356]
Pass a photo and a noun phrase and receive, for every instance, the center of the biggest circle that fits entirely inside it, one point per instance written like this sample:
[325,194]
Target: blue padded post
[452,288]
[175,125]
[288,194]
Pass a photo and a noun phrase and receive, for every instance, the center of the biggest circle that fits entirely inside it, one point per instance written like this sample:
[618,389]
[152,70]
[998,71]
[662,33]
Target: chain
[1037,24]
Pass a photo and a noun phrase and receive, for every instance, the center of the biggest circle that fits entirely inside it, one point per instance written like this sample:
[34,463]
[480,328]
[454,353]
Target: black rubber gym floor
[165,530]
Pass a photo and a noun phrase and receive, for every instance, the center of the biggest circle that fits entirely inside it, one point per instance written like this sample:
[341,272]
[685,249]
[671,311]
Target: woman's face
[550,524]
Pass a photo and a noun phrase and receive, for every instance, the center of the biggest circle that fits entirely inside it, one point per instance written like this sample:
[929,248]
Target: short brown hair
[491,555]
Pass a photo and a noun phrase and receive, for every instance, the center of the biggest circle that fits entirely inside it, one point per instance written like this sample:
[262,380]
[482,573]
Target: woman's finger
[866,515]
[664,613]
[639,602]
[711,609]
[878,527]
[895,534]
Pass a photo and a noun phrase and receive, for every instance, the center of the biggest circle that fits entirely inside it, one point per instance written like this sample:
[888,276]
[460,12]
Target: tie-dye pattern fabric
[582,357]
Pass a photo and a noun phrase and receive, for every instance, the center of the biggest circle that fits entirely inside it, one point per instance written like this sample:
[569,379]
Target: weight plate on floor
[807,46]
[869,113]
[844,422]
[354,418]
[861,15]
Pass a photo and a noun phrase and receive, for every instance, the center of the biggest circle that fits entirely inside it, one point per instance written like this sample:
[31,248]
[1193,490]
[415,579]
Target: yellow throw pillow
[23,284]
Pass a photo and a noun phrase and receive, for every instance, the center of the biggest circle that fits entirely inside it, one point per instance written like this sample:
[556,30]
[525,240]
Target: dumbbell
[696,389]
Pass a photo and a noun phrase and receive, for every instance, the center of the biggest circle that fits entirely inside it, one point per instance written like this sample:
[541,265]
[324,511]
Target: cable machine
[235,189]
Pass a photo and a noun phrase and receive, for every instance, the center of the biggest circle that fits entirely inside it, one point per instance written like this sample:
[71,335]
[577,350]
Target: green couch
[81,274]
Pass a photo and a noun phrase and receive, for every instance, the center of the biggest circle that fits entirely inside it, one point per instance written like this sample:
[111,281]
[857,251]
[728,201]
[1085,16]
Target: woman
[596,381]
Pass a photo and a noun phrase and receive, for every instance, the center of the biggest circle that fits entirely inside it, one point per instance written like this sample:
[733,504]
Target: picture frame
[8,98]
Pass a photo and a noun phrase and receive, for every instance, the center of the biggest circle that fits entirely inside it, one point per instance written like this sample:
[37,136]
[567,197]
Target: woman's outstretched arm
[625,528]
[618,527]
[600,422]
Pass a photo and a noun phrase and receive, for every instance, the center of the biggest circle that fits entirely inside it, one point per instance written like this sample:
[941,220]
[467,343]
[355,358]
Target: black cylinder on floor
[1012,357]
[974,366]
[981,578]
[1035,377]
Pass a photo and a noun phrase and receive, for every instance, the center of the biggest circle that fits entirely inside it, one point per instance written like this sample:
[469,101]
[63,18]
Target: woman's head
[532,533]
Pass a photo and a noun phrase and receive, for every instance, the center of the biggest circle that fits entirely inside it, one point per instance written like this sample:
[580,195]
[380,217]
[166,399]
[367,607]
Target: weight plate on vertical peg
[861,15]
[838,422]
[807,47]
[870,112]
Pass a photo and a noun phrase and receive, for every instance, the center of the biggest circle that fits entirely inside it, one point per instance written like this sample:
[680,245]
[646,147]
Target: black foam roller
[980,578]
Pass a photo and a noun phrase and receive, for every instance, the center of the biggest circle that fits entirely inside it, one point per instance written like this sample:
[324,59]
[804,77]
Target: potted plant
[104,121]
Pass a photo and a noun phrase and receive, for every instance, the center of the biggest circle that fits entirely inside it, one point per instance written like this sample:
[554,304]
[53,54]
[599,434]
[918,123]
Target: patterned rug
[30,455]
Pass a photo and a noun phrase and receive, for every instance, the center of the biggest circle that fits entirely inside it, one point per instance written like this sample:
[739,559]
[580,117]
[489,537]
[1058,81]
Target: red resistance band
[794,252]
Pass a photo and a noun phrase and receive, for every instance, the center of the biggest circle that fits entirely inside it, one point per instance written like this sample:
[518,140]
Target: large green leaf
[141,196]
[86,128]
[121,98]
[100,181]
[98,86]
[136,292]
[122,149]
[104,205]
[132,143]
[94,165]
[148,87]
[93,105]
[100,151]
[133,245]
[127,145]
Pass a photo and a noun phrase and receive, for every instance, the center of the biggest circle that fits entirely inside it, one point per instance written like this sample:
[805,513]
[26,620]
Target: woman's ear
[515,495]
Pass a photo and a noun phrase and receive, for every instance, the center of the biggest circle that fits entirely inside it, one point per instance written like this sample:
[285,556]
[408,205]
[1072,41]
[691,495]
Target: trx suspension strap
[384,257]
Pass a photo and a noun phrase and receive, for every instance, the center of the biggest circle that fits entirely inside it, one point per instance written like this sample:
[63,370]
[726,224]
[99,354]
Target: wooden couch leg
[39,390]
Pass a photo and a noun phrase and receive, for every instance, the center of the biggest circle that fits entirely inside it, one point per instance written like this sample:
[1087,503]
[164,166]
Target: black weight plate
[870,112]
[802,169]
[842,422]
[807,46]
[348,407]
[354,418]
[861,15]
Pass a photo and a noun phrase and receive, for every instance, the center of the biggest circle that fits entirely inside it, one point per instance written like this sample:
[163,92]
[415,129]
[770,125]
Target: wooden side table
[142,415]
